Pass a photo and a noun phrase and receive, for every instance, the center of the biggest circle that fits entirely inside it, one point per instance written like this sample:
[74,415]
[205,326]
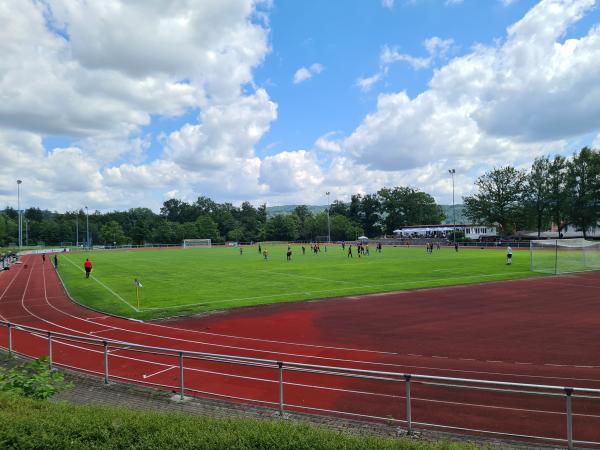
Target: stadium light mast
[87,227]
[452,172]
[19,211]
[328,220]
[77,229]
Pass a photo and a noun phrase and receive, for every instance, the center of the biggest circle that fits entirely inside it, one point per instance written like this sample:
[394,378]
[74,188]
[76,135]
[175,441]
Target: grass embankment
[31,424]
[187,281]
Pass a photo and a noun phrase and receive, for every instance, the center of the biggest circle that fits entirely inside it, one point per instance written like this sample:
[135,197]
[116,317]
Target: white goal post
[187,243]
[564,255]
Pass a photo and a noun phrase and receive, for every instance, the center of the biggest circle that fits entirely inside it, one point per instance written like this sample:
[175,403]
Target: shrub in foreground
[32,424]
[33,379]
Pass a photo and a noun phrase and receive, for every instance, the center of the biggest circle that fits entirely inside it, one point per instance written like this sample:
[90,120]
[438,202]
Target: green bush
[33,380]
[33,424]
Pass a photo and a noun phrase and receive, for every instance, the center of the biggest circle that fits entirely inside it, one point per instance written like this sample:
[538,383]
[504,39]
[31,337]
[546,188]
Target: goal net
[196,243]
[564,255]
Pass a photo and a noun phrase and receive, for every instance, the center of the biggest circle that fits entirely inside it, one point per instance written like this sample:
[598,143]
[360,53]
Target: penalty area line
[104,286]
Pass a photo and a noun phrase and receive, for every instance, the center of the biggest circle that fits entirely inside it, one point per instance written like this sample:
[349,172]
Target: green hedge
[34,424]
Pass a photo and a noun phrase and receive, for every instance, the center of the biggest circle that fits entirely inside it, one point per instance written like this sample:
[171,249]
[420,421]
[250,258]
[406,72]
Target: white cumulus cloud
[305,73]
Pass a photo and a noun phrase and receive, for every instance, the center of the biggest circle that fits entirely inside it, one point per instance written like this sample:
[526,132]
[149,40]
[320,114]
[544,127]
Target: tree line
[370,214]
[557,191]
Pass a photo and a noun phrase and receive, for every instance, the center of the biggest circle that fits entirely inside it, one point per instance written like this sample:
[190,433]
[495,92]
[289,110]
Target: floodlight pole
[328,220]
[452,172]
[26,232]
[19,212]
[77,229]
[87,227]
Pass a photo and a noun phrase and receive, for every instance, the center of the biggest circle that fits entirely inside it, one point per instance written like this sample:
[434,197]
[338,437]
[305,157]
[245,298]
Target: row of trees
[371,214]
[554,191]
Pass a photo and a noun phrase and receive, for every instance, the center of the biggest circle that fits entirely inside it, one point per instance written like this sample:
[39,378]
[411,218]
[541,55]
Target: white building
[471,231]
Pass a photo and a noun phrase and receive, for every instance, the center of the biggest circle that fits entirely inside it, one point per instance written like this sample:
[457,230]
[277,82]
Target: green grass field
[190,281]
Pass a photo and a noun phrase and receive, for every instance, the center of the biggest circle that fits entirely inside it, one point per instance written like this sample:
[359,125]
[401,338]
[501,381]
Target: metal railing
[106,347]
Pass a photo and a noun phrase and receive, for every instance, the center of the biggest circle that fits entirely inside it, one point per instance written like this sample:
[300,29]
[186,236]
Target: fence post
[105,361]
[280,364]
[569,399]
[181,385]
[50,350]
[9,339]
[408,406]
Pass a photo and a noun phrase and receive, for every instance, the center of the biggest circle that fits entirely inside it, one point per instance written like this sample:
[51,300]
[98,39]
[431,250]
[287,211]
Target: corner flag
[138,285]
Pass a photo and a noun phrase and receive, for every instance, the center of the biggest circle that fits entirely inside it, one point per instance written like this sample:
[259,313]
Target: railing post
[105,361]
[9,339]
[408,405]
[50,350]
[181,385]
[280,364]
[569,399]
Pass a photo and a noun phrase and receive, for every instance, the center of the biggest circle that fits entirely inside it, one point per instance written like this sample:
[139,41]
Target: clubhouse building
[471,231]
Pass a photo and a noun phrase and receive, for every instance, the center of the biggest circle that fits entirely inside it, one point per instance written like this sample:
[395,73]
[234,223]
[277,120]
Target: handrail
[567,392]
[333,370]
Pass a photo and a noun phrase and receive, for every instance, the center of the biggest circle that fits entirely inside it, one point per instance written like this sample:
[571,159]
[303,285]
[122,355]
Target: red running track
[536,331]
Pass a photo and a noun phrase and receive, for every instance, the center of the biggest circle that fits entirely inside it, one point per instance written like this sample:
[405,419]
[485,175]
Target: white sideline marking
[144,376]
[288,294]
[105,286]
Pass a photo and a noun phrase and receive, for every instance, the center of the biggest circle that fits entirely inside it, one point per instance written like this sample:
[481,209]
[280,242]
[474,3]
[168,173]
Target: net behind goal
[196,243]
[564,255]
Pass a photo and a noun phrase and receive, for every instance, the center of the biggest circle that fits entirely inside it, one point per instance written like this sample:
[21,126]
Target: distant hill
[287,209]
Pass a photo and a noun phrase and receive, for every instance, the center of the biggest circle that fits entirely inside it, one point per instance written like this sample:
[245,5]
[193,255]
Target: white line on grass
[239,299]
[105,286]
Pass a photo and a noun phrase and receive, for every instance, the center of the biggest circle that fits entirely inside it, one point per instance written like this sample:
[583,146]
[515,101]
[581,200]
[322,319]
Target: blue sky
[122,104]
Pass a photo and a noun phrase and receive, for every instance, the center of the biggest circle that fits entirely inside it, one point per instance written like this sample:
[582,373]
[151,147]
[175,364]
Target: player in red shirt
[88,267]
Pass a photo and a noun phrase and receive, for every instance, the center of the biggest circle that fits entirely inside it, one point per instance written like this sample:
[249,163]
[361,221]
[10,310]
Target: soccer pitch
[190,281]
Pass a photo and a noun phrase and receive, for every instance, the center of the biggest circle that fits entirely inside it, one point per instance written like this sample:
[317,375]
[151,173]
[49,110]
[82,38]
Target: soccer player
[350,251]
[241,250]
[55,261]
[456,246]
[87,265]
[509,255]
[265,255]
[289,253]
[367,250]
[303,250]
[259,249]
[43,258]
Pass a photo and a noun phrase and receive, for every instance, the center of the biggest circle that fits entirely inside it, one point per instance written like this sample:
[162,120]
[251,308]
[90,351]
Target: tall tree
[207,228]
[499,199]
[370,217]
[538,190]
[112,232]
[558,204]
[583,189]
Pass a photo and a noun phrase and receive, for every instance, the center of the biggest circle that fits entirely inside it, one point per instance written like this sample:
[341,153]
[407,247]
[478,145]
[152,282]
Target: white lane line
[319,357]
[102,331]
[144,376]
[105,286]
[119,349]
[378,394]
